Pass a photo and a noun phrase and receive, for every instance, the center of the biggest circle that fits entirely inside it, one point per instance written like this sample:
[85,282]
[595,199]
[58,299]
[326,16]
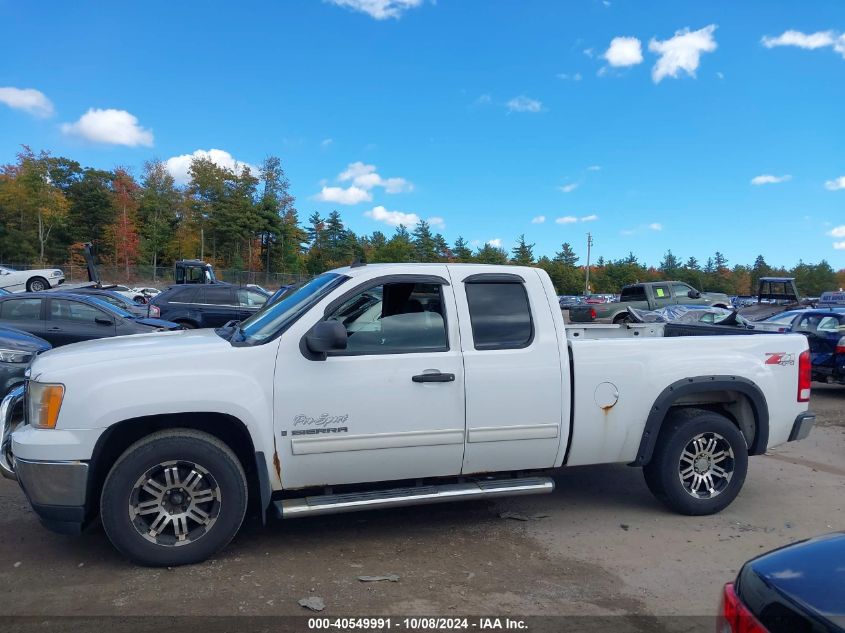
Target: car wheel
[175,497]
[699,463]
[619,319]
[187,325]
[140,299]
[37,284]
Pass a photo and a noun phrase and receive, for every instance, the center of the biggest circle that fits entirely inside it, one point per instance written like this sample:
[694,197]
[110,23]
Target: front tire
[621,319]
[37,284]
[173,498]
[699,463]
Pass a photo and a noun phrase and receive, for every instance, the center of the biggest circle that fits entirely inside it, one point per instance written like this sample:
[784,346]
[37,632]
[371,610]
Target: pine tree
[425,248]
[461,251]
[523,253]
[566,255]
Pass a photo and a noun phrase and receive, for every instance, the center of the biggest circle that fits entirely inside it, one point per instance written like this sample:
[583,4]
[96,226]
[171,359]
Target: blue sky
[641,123]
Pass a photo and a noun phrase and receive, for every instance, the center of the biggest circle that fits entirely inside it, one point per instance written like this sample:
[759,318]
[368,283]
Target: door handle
[54,329]
[434,377]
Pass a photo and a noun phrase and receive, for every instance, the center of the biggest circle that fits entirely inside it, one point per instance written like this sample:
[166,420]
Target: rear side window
[218,296]
[185,294]
[20,310]
[634,293]
[500,315]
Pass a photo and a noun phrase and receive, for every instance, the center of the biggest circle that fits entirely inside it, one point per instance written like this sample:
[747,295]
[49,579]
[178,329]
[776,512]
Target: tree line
[238,219]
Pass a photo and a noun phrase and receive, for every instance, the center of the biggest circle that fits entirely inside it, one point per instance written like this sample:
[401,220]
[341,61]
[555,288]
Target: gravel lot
[599,545]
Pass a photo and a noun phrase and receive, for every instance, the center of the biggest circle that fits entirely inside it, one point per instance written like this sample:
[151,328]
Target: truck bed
[654,330]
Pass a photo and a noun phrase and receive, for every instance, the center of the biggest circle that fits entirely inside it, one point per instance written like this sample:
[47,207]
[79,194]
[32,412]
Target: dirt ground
[599,545]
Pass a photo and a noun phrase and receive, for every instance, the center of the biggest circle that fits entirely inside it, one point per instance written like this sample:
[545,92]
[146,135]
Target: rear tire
[37,284]
[699,463]
[173,498]
[620,319]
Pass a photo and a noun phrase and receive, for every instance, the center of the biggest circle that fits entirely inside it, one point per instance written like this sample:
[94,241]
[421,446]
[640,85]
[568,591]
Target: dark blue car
[825,332]
[799,588]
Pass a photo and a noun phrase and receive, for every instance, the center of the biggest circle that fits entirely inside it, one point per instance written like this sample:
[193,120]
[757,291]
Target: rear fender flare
[704,384]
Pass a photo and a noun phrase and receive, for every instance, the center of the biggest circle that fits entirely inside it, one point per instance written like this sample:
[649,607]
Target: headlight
[57,273]
[15,356]
[44,401]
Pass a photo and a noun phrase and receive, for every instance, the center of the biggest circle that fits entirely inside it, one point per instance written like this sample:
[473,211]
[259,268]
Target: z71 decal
[780,358]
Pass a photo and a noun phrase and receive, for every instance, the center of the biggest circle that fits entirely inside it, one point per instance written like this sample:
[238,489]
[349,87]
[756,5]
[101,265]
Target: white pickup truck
[384,385]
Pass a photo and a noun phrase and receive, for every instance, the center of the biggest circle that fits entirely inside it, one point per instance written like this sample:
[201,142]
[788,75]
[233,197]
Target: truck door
[392,405]
[514,380]
[661,296]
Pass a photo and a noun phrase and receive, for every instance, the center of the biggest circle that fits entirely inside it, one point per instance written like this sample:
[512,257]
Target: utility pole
[587,281]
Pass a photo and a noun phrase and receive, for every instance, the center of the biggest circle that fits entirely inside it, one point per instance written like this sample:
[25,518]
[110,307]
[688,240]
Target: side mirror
[325,337]
[694,294]
[103,321]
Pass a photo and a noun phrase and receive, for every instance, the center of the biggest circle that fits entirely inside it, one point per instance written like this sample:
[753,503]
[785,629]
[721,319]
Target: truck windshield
[276,318]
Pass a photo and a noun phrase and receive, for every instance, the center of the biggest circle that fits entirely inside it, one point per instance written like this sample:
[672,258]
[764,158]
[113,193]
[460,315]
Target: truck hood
[178,343]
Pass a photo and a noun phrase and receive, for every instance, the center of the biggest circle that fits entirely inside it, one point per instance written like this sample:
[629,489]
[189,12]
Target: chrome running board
[396,497]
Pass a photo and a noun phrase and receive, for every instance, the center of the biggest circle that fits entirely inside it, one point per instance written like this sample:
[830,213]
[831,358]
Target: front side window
[20,309]
[394,318]
[681,291]
[500,315]
[64,310]
[250,299]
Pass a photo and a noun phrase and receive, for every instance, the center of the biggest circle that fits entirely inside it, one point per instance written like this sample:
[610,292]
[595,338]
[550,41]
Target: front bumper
[802,425]
[57,490]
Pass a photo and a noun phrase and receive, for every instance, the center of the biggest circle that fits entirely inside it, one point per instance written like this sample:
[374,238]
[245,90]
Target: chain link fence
[161,276]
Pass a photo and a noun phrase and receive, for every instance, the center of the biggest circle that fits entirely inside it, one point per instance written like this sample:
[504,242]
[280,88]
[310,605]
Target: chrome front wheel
[175,503]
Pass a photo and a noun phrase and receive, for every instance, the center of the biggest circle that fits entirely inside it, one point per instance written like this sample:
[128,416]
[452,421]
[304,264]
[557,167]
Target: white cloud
[437,222]
[326,142]
[524,104]
[538,219]
[495,242]
[179,166]
[681,52]
[624,51]
[655,226]
[768,179]
[837,231]
[110,126]
[567,76]
[835,184]
[339,195]
[810,41]
[840,246]
[590,218]
[589,52]
[29,100]
[365,177]
[379,9]
[567,219]
[569,188]
[393,218]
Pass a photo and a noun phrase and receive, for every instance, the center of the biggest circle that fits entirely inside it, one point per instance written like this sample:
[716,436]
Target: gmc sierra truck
[385,385]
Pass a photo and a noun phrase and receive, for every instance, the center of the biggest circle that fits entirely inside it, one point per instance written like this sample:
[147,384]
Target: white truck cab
[384,385]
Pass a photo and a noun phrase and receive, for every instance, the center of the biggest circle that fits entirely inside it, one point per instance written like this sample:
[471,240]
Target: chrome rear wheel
[706,465]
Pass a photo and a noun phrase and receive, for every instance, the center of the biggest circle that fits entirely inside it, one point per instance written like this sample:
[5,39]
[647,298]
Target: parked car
[142,294]
[461,378]
[30,280]
[646,296]
[17,349]
[207,305]
[825,332]
[64,317]
[795,589]
[121,301]
[774,295]
[567,301]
